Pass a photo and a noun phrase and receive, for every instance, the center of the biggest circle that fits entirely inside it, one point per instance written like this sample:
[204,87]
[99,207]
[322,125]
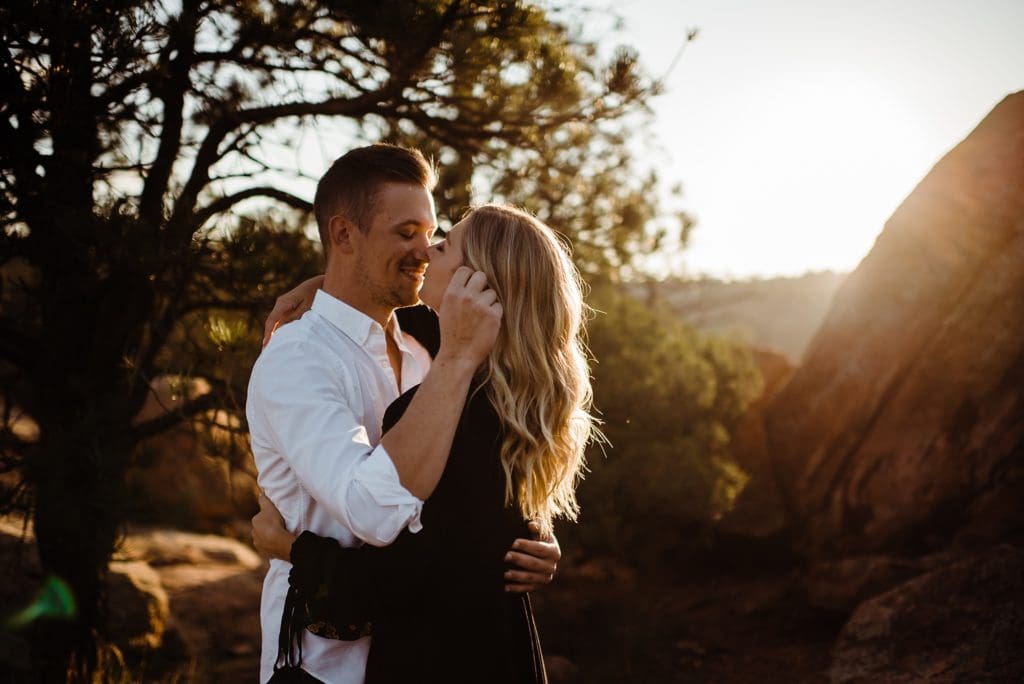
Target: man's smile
[415,272]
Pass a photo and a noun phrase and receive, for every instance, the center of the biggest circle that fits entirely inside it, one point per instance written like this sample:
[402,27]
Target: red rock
[960,623]
[908,408]
[840,586]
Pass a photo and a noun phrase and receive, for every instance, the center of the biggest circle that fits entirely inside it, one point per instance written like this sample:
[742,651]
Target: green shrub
[669,398]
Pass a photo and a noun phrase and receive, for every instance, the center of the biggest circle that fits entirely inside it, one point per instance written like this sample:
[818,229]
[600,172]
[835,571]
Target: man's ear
[340,231]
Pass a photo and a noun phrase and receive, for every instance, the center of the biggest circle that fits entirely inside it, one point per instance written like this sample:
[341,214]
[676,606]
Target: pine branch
[215,398]
[224,203]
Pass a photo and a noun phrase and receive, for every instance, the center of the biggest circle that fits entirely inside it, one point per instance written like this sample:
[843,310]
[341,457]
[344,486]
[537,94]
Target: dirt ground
[620,626]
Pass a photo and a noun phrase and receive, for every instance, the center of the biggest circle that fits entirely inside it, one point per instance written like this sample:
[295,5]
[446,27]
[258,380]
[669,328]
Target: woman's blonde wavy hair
[537,374]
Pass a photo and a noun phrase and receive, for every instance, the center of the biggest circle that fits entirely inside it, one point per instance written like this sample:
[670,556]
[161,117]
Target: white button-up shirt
[317,396]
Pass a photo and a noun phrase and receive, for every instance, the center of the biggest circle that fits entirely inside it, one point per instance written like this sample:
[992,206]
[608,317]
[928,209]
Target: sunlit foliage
[669,397]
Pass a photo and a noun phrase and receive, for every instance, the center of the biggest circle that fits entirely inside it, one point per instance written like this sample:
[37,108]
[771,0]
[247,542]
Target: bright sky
[796,127]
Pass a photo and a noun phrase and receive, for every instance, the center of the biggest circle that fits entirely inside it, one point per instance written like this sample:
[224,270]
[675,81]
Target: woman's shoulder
[397,408]
[478,414]
[479,410]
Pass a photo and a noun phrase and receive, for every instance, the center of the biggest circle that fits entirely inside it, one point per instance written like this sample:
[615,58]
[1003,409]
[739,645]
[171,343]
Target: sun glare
[822,160]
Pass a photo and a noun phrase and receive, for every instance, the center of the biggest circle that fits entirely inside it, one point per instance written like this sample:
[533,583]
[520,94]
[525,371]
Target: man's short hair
[350,186]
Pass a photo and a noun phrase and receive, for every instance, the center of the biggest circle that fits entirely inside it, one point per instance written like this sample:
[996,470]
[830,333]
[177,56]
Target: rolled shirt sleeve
[304,408]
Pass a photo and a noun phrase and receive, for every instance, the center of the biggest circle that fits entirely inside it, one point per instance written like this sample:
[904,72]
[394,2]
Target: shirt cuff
[379,481]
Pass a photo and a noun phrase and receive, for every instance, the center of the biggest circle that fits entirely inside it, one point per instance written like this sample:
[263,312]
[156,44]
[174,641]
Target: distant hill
[776,313]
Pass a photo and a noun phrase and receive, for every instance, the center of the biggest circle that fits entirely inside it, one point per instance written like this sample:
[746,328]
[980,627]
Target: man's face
[391,256]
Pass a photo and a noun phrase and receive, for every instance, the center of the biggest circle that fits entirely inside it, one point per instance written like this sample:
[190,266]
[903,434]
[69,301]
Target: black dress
[433,601]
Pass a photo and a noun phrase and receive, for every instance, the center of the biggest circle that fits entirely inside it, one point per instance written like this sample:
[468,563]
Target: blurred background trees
[669,397]
[150,216]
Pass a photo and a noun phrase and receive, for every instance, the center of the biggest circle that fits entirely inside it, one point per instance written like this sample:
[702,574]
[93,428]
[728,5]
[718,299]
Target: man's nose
[422,248]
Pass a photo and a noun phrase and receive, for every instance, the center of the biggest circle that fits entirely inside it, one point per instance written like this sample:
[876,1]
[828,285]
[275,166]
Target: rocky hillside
[905,418]
[894,455]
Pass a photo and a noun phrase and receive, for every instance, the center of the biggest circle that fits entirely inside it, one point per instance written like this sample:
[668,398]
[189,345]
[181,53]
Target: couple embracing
[408,499]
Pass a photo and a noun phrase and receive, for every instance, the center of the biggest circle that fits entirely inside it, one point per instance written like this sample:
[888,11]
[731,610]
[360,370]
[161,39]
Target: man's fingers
[268,510]
[542,549]
[520,577]
[536,561]
[534,528]
[523,588]
[255,539]
[531,563]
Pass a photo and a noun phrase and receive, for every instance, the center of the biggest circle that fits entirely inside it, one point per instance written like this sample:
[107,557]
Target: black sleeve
[323,594]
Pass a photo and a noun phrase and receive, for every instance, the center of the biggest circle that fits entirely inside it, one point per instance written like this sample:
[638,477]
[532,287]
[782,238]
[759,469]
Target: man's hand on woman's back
[533,561]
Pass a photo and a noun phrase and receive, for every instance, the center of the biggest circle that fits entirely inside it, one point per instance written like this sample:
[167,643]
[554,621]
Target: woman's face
[445,258]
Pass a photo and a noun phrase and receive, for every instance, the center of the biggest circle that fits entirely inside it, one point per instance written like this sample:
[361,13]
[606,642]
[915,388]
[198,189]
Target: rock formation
[959,623]
[904,426]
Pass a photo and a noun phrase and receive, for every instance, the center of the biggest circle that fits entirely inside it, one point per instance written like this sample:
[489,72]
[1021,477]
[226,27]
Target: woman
[516,456]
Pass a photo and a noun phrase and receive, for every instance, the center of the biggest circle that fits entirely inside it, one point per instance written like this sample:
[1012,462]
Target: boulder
[161,547]
[213,585]
[959,623]
[904,426]
[840,586]
[138,606]
[175,597]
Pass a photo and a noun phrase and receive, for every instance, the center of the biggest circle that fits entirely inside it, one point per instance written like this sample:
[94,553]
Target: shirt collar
[353,322]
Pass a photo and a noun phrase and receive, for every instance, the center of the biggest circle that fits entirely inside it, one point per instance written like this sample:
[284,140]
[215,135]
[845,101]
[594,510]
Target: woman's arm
[458,553]
[534,561]
[327,580]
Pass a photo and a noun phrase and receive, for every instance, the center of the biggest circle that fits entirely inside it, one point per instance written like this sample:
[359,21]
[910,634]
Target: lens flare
[54,600]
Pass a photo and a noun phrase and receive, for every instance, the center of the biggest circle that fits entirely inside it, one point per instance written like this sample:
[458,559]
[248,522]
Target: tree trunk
[75,470]
[78,481]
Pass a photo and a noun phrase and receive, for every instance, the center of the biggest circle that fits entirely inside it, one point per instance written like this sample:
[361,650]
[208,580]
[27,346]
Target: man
[319,390]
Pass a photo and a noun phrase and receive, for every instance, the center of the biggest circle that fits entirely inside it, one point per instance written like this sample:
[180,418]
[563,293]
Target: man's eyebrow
[413,223]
